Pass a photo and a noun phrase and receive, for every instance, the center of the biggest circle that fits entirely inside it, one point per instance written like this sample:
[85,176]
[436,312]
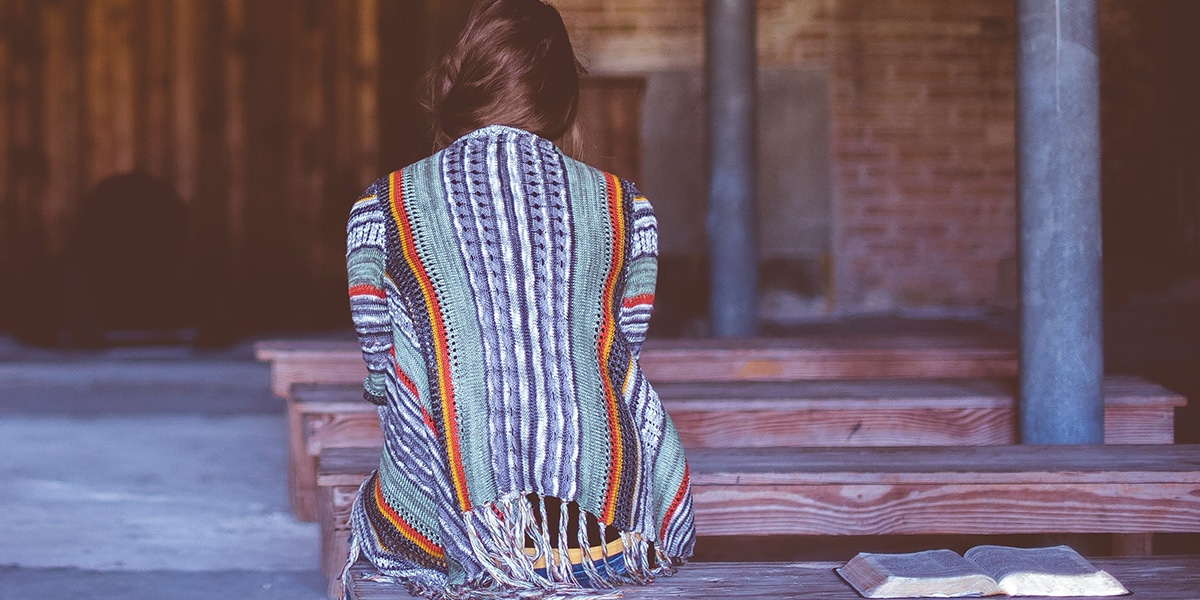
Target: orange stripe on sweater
[638,300]
[366,289]
[675,502]
[607,334]
[402,376]
[403,527]
[445,385]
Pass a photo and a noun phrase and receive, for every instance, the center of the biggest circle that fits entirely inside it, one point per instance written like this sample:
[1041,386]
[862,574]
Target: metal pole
[732,244]
[1058,188]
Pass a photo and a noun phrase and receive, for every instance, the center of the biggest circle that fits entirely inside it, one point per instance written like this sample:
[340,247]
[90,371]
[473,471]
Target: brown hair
[512,65]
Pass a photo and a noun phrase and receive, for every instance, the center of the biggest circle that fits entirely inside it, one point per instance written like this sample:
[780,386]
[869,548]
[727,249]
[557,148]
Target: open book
[981,571]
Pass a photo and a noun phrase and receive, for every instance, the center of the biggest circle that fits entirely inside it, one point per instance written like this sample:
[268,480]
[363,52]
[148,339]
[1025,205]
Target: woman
[501,292]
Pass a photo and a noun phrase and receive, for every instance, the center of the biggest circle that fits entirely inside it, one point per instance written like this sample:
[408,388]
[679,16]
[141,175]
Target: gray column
[732,239]
[1058,189]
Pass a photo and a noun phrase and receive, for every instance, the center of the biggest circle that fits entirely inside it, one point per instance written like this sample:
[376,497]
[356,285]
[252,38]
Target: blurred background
[175,177]
[886,154]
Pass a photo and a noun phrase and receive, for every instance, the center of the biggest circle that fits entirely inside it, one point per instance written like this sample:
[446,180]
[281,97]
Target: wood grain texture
[334,514]
[24,184]
[185,93]
[1149,463]
[887,491]
[1157,578]
[367,89]
[7,220]
[709,425]
[304,367]
[235,139]
[1133,465]
[109,71]
[968,490]
[301,471]
[341,431]
[263,114]
[62,32]
[335,533]
[826,413]
[699,428]
[1120,391]
[950,508]
[766,416]
[784,359]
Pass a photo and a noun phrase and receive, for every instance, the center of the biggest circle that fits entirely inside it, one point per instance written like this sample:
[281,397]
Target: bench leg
[302,469]
[335,534]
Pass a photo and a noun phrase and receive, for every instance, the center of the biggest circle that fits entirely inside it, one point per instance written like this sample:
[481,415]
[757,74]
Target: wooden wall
[268,116]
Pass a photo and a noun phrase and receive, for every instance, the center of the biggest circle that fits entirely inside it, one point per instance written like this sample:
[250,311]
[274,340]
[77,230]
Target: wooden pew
[900,412]
[975,490]
[827,356]
[812,357]
[1156,578]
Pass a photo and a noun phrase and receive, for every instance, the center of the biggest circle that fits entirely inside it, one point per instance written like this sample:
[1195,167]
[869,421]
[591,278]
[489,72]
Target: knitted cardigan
[501,292]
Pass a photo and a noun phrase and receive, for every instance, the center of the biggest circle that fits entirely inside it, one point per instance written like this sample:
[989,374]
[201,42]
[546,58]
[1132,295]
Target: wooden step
[811,413]
[1148,578]
[974,490]
[910,490]
[828,356]
[757,414]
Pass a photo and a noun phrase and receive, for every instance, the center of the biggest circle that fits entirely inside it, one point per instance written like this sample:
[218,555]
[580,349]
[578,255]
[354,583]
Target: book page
[930,574]
[1054,571]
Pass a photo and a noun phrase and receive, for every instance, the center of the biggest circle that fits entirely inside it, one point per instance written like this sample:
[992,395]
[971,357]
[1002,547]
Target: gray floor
[146,474]
[158,473]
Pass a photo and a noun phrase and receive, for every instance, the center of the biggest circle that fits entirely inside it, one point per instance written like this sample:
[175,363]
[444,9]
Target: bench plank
[849,413]
[826,356]
[1071,464]
[1123,489]
[1157,578]
[868,413]
[968,490]
[976,509]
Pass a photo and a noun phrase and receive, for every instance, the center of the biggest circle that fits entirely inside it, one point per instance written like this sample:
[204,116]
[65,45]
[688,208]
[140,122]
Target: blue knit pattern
[501,292]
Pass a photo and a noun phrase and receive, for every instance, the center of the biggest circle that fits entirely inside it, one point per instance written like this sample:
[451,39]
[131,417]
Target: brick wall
[640,36]
[923,153]
[921,130]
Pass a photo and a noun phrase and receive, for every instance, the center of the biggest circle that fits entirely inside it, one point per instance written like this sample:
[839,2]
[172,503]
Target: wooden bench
[812,357]
[829,356]
[975,490]
[901,412]
[1156,578]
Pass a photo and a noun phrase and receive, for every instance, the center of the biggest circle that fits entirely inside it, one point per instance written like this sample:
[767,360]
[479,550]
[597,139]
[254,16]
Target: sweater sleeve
[365,267]
[637,299]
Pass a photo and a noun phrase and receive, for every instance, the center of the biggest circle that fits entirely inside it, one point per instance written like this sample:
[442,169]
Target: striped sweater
[501,292]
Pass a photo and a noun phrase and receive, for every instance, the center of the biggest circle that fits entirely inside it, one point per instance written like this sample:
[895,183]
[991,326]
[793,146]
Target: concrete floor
[146,474]
[158,473]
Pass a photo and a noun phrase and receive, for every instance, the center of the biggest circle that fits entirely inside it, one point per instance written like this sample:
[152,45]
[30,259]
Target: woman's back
[516,284]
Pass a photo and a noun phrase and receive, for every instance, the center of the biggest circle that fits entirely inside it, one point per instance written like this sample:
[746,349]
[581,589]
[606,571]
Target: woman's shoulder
[385,185]
[598,176]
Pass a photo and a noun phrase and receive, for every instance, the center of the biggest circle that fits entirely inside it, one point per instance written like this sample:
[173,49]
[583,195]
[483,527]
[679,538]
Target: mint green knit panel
[403,496]
[589,205]
[668,472]
[365,267]
[642,273]
[439,252]
[411,362]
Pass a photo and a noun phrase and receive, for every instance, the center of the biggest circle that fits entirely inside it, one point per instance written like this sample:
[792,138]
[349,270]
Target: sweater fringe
[499,533]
